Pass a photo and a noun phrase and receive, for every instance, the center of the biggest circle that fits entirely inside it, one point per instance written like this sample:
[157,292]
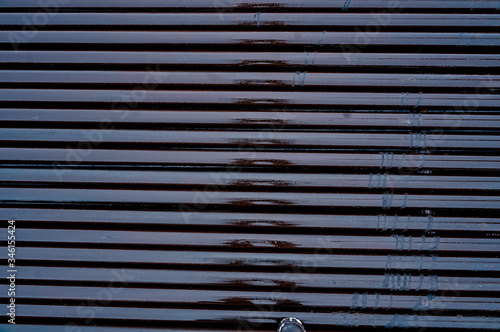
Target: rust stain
[273,42]
[248,82]
[283,244]
[239,244]
[248,24]
[262,162]
[260,6]
[261,141]
[275,183]
[276,42]
[276,82]
[275,223]
[286,283]
[262,82]
[249,202]
[287,302]
[239,282]
[237,301]
[233,274]
[274,63]
[262,243]
[250,101]
[279,123]
[275,23]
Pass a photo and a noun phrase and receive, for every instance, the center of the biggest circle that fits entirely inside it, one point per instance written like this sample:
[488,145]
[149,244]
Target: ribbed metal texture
[219,165]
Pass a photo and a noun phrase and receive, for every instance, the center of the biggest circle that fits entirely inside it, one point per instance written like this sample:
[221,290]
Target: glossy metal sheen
[220,165]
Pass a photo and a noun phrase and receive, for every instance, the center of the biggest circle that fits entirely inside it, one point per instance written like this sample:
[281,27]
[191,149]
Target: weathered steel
[241,20]
[258,38]
[306,61]
[277,261]
[250,222]
[218,165]
[235,80]
[319,282]
[248,180]
[290,119]
[235,160]
[262,4]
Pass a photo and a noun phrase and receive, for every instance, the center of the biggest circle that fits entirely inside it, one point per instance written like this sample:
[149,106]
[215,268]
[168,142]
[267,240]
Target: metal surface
[220,165]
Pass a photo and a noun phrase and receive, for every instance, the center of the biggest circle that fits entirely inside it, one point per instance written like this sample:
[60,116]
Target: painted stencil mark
[403,242]
[387,200]
[257,18]
[419,100]
[404,98]
[387,158]
[314,58]
[345,7]
[405,201]
[430,223]
[322,38]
